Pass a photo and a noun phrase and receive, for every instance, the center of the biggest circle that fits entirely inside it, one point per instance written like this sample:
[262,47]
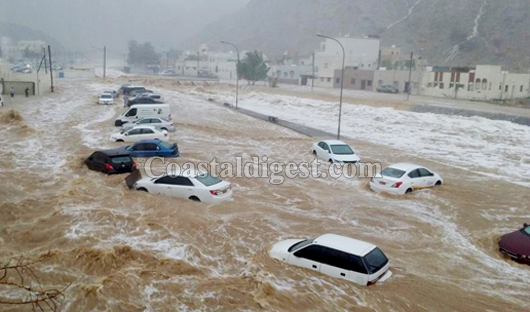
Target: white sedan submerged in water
[139,133]
[336,256]
[190,184]
[335,151]
[404,178]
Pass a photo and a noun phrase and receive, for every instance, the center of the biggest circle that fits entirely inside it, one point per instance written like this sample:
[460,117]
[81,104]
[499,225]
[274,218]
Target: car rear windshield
[106,96]
[166,145]
[207,179]
[527,230]
[375,260]
[120,159]
[392,173]
[341,150]
[301,244]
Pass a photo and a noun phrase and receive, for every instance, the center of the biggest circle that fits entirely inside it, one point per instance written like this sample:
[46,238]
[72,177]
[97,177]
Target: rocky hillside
[450,32]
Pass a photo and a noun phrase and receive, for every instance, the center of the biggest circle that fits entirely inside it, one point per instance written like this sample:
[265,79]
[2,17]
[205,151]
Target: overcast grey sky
[81,24]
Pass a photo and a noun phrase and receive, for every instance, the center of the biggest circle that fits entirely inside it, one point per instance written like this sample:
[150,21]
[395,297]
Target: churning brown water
[129,251]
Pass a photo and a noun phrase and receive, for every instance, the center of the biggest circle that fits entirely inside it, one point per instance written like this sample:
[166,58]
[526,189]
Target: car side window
[326,147]
[165,180]
[414,174]
[144,121]
[139,147]
[131,113]
[425,173]
[135,131]
[321,145]
[183,181]
[151,147]
[312,252]
[343,260]
[147,131]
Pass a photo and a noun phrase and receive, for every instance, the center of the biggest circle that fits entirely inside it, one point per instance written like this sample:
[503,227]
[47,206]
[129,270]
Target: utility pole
[237,72]
[198,62]
[104,61]
[51,70]
[45,62]
[410,75]
[313,76]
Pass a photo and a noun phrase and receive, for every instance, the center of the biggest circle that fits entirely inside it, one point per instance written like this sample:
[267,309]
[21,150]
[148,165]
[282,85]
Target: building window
[329,79]
[484,84]
[441,85]
[521,88]
[470,87]
[337,80]
[451,85]
[369,83]
[506,88]
[429,85]
[500,86]
[353,81]
[291,73]
[490,86]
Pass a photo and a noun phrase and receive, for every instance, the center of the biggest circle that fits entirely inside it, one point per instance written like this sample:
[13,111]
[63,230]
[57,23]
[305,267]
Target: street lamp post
[341,79]
[237,73]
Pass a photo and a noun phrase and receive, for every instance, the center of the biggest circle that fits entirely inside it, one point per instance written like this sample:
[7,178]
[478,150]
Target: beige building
[38,83]
[361,53]
[484,83]
[369,80]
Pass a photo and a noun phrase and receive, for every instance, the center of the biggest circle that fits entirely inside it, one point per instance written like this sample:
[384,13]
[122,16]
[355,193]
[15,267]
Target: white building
[223,64]
[362,53]
[484,83]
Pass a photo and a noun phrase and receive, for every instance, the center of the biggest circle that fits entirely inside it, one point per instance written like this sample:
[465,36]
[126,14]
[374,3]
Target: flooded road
[130,251]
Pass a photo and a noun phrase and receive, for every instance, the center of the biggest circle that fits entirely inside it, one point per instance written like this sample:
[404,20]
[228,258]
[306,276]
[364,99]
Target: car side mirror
[126,134]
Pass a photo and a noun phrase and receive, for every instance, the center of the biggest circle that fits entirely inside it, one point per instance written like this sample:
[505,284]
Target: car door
[309,257]
[151,149]
[139,150]
[326,152]
[148,134]
[182,187]
[335,263]
[133,135]
[164,185]
[417,181]
[428,177]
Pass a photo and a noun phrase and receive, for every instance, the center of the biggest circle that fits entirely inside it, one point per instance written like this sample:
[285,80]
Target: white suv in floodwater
[336,256]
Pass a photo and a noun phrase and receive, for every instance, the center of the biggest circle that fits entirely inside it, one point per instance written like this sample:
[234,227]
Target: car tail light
[134,165]
[165,134]
[108,167]
[397,185]
[215,193]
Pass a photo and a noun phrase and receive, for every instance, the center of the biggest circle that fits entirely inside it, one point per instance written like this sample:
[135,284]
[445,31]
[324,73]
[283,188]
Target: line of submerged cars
[146,124]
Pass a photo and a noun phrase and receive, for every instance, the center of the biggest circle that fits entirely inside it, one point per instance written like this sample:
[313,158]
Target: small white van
[140,111]
[337,256]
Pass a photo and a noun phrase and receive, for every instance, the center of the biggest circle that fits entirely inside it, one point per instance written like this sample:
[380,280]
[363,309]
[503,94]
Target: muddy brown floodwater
[131,251]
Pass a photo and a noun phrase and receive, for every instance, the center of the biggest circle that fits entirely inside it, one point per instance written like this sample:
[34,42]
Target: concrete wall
[398,79]
[355,79]
[19,87]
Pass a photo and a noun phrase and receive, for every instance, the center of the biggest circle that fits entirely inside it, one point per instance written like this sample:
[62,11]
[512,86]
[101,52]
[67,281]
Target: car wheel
[408,191]
[119,140]
[331,161]
[142,189]
[438,183]
[195,199]
[315,153]
[164,129]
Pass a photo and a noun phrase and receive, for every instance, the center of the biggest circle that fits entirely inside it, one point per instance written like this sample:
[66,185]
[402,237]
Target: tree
[142,54]
[253,68]
[20,279]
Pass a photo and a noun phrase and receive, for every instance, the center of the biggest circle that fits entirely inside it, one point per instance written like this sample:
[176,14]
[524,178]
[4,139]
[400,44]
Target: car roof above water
[334,142]
[404,166]
[345,244]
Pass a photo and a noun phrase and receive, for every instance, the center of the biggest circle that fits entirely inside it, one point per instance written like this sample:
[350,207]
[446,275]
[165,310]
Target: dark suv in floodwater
[516,245]
[110,162]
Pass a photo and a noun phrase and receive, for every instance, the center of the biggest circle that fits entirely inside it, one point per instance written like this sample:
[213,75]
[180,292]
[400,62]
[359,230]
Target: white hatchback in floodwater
[106,99]
[191,184]
[335,151]
[139,133]
[404,178]
[336,256]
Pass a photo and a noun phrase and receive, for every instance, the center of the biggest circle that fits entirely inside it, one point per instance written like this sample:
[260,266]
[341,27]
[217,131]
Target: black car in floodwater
[111,162]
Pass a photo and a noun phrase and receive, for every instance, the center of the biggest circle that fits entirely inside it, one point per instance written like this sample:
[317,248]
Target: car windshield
[392,172]
[207,179]
[120,159]
[301,244]
[166,145]
[375,260]
[341,150]
[106,96]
